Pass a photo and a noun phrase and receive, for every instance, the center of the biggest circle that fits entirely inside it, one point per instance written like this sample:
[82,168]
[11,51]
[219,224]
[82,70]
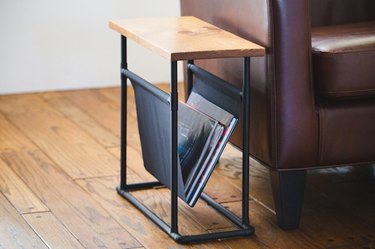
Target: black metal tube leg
[174,156]
[246,144]
[124,65]
[189,77]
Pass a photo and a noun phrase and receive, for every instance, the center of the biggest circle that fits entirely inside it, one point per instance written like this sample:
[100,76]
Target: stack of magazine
[203,131]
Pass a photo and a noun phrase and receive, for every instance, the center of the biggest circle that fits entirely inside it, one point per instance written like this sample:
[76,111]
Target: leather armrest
[284,124]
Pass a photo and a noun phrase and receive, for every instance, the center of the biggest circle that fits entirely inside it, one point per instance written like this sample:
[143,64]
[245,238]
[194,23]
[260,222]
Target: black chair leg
[288,189]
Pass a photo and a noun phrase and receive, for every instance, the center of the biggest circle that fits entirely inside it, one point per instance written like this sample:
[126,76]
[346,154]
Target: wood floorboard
[102,135]
[230,170]
[105,111]
[9,141]
[52,231]
[18,193]
[87,221]
[269,233]
[72,148]
[102,191]
[59,164]
[14,231]
[142,228]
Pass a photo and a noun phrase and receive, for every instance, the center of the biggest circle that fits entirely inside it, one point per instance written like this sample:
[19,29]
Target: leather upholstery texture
[344,59]
[291,126]
[334,12]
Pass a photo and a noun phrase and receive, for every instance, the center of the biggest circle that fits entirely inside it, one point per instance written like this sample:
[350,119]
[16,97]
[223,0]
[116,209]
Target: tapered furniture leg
[288,190]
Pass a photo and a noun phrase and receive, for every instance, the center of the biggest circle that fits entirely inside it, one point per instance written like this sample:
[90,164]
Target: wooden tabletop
[185,38]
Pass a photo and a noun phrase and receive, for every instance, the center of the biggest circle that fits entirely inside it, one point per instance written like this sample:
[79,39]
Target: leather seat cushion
[344,60]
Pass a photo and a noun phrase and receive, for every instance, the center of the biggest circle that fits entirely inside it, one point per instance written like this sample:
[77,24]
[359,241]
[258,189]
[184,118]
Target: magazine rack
[182,38]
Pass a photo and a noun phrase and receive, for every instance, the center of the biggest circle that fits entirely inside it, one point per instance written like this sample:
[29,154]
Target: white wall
[66,44]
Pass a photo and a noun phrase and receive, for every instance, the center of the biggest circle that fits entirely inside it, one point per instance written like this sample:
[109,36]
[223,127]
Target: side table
[185,39]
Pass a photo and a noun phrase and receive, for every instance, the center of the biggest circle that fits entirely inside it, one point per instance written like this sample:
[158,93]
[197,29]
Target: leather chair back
[332,12]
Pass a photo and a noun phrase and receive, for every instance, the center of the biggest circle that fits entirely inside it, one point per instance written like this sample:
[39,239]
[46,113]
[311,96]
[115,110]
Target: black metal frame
[124,189]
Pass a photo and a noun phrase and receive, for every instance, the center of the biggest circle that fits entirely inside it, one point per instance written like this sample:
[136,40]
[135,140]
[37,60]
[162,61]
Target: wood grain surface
[52,231]
[14,230]
[59,166]
[185,38]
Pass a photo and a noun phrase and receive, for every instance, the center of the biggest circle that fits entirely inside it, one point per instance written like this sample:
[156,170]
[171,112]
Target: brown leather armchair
[312,96]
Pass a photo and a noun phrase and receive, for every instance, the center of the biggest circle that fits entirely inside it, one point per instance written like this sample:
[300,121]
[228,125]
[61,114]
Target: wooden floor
[59,166]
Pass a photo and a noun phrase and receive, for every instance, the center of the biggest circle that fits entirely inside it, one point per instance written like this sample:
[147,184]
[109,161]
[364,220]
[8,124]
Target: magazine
[206,143]
[196,132]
